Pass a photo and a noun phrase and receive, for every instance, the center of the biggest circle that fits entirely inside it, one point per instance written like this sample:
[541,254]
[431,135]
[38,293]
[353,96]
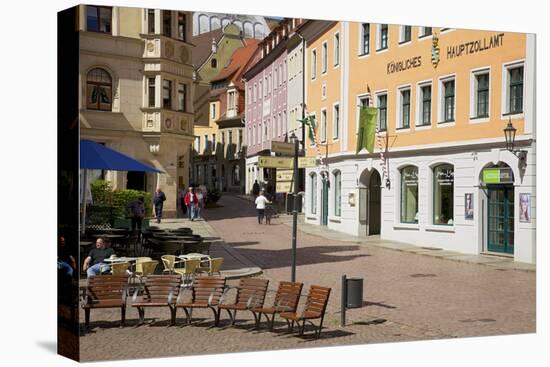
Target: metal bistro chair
[120,269]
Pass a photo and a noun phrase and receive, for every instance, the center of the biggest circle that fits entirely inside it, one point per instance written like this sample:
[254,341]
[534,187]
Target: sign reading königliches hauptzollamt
[472,47]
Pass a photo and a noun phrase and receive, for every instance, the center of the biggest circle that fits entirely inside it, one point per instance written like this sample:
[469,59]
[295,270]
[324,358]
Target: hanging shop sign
[284,174]
[284,186]
[282,147]
[286,162]
[497,175]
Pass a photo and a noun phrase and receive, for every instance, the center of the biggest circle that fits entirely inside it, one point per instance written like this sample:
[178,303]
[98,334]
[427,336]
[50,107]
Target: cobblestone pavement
[407,297]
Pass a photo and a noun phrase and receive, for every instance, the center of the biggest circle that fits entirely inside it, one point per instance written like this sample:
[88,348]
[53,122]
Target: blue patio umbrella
[97,156]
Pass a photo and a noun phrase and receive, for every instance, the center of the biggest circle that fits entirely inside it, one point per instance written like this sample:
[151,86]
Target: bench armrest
[181,292]
[225,293]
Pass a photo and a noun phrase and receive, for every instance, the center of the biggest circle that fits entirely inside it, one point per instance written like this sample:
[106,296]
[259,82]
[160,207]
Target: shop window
[409,194]
[443,204]
[99,87]
[337,193]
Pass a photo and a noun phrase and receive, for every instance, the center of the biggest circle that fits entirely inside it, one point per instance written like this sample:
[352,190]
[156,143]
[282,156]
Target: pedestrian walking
[200,203]
[261,202]
[256,188]
[137,212]
[191,200]
[158,199]
[181,195]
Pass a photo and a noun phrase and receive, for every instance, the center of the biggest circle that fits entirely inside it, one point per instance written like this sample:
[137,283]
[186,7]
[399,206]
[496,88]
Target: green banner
[491,175]
[367,129]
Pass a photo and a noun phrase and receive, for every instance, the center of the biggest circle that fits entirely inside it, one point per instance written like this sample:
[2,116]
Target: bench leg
[320,327]
[173,311]
[303,327]
[86,317]
[234,319]
[215,316]
[272,323]
[123,316]
[141,313]
[218,314]
[187,315]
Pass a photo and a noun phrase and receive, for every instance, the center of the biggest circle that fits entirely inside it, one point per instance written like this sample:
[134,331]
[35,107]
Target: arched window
[248,30]
[99,87]
[214,63]
[443,206]
[409,194]
[337,193]
[313,197]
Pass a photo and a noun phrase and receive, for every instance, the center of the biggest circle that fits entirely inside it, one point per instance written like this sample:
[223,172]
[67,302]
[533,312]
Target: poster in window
[525,208]
[469,206]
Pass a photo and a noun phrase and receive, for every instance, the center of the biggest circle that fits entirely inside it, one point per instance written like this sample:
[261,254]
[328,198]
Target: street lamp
[294,141]
[510,136]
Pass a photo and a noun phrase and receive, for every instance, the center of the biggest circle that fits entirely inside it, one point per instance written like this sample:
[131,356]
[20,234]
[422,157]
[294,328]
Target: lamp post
[295,141]
[510,137]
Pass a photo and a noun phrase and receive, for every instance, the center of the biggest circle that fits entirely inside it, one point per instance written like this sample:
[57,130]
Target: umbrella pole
[84,199]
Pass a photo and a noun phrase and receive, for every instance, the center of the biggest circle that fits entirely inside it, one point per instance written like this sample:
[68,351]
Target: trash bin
[354,292]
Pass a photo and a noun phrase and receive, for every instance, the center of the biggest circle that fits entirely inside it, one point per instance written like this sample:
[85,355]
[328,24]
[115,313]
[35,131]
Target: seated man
[94,263]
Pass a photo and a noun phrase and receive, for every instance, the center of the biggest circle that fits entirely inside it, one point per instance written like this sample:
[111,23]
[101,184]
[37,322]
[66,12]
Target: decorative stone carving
[154,148]
[168,123]
[169,49]
[150,46]
[184,54]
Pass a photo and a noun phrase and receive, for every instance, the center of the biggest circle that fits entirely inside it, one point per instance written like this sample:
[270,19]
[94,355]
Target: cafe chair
[120,269]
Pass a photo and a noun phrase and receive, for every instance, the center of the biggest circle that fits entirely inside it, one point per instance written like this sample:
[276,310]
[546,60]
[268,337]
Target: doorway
[136,181]
[500,218]
[374,204]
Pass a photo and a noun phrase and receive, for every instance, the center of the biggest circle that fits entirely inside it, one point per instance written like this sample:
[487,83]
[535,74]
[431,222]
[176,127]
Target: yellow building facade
[444,98]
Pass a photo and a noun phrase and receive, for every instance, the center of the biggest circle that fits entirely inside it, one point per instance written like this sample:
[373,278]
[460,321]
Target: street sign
[286,162]
[284,174]
[307,162]
[285,186]
[282,147]
[275,162]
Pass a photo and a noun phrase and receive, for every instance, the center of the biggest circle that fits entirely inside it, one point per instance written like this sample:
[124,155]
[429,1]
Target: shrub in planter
[109,204]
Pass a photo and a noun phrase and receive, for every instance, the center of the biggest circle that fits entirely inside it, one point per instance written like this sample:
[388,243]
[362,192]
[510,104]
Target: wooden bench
[106,291]
[250,293]
[205,292]
[286,300]
[157,291]
[316,305]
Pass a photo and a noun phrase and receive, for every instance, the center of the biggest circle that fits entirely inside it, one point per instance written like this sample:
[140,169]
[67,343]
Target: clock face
[168,123]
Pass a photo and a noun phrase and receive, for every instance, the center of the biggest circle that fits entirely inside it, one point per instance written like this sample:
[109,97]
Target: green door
[500,219]
[324,204]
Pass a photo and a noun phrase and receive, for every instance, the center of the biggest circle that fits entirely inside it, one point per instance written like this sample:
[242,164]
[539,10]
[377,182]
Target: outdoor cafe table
[121,259]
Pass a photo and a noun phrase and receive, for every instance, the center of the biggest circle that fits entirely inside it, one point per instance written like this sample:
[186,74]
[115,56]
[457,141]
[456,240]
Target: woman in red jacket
[191,201]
